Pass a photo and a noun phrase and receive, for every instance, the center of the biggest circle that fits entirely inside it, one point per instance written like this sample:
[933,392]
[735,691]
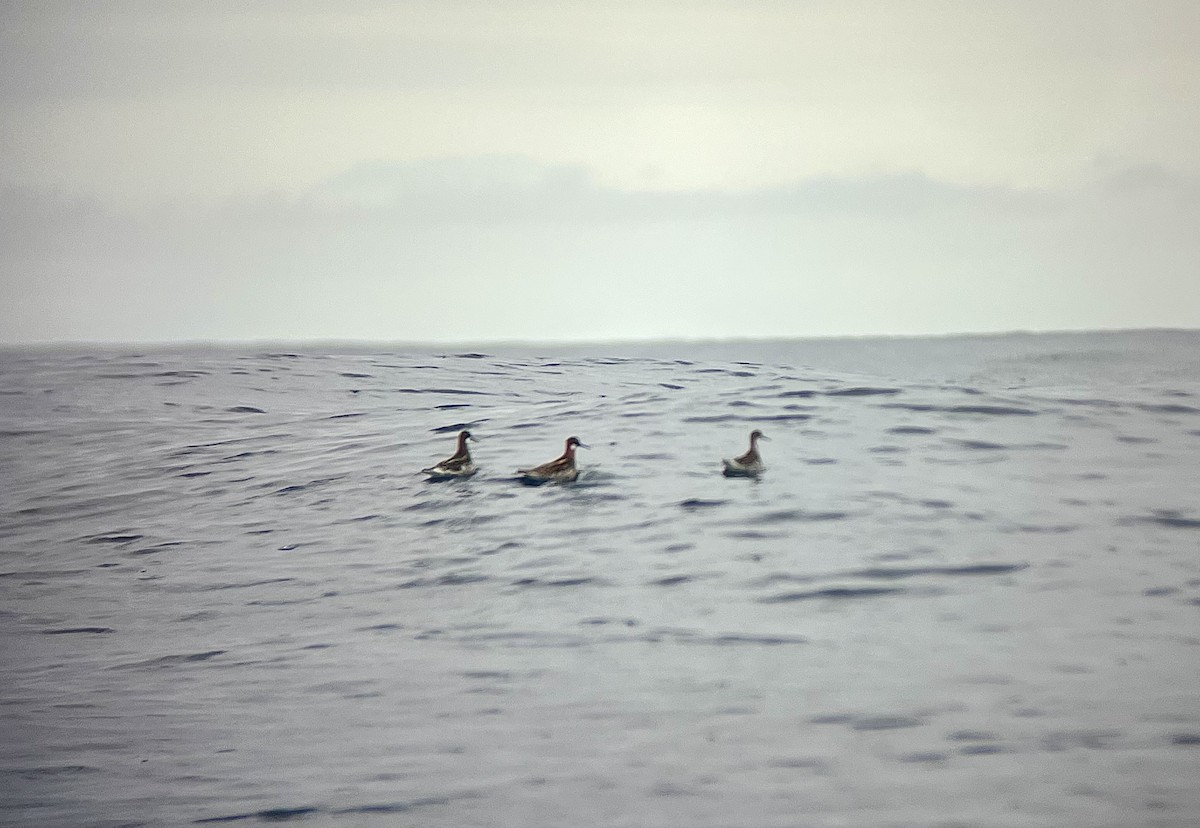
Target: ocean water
[965,592]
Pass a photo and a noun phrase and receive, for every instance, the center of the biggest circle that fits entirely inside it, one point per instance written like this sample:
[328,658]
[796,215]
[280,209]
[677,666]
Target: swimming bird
[459,464]
[561,470]
[748,464]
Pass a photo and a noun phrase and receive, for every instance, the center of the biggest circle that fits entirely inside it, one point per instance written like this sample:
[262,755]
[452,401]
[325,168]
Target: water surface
[966,591]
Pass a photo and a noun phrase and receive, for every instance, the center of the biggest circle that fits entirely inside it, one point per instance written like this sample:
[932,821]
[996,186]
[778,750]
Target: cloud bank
[505,247]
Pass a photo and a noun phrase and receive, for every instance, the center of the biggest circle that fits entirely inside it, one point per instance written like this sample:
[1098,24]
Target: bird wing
[750,458]
[456,463]
[554,467]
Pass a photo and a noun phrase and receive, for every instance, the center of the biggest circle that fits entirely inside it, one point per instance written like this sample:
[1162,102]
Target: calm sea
[965,592]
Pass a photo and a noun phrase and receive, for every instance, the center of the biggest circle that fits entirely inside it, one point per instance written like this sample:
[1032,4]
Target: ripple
[1092,402]
[699,503]
[886,722]
[559,583]
[1169,518]
[240,584]
[116,537]
[24,432]
[985,410]
[43,574]
[381,628]
[1168,408]
[267,815]
[1159,592]
[831,718]
[1090,739]
[833,593]
[971,570]
[978,445]
[396,807]
[674,580]
[862,391]
[789,515]
[779,418]
[815,764]
[168,661]
[928,757]
[748,418]
[758,640]
[445,391]
[450,579]
[457,426]
[972,736]
[79,630]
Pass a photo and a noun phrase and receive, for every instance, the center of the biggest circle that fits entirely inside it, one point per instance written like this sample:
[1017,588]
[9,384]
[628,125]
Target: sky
[479,171]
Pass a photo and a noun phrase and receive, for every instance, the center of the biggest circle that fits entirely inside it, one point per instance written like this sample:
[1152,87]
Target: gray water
[965,592]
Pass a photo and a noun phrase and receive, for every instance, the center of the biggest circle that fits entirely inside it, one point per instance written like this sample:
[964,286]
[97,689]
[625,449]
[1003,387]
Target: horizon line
[49,344]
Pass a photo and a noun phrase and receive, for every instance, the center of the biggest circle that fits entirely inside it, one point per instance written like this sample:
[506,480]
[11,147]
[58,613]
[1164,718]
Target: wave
[253,542]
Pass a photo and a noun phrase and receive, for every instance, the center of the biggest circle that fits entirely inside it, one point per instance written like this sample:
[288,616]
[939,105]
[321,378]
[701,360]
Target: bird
[749,464]
[457,465]
[561,470]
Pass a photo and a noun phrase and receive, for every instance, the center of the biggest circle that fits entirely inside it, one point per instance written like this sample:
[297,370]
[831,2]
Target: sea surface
[966,592]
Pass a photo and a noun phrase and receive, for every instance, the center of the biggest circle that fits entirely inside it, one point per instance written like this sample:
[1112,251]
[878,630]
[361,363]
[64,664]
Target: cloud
[148,103]
[516,188]
[501,247]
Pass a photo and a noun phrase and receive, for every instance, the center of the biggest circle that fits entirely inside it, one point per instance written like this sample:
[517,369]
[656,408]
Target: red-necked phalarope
[749,464]
[561,470]
[459,464]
